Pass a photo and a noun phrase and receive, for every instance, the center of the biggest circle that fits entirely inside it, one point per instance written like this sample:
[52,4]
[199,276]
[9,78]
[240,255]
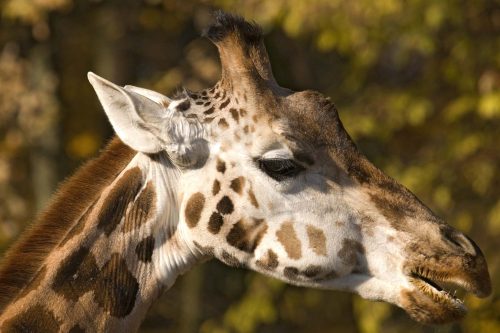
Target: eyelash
[280,169]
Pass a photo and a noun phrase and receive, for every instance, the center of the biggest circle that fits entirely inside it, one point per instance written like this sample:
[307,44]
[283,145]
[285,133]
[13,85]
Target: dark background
[417,84]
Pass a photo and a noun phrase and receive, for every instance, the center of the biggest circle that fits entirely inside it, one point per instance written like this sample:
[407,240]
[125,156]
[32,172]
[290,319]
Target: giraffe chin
[428,303]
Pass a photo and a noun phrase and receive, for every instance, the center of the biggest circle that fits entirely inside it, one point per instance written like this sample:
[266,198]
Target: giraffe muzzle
[441,282]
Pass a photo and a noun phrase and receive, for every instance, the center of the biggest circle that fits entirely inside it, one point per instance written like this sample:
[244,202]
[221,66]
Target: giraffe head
[268,179]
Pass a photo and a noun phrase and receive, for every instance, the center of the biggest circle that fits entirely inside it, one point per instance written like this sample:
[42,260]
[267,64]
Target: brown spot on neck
[75,275]
[116,289]
[144,249]
[193,210]
[74,196]
[142,209]
[118,199]
[288,238]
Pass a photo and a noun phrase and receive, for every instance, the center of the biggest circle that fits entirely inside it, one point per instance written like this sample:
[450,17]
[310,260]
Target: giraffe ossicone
[253,174]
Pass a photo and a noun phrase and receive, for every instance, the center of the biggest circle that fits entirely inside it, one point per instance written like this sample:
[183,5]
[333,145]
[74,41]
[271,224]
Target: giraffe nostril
[462,241]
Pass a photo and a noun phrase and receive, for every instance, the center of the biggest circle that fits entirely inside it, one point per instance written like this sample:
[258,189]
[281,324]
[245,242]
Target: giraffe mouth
[439,288]
[437,298]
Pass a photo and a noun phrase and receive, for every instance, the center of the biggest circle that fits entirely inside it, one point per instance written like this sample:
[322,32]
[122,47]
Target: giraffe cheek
[246,234]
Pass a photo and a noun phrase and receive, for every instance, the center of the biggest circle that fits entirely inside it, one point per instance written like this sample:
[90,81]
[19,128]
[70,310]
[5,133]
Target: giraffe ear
[151,94]
[134,113]
[144,121]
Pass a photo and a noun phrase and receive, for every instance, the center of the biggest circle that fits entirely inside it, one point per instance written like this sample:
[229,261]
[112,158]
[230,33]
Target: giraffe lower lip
[428,303]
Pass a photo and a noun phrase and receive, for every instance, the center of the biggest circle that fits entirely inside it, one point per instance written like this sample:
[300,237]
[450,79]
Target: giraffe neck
[121,252]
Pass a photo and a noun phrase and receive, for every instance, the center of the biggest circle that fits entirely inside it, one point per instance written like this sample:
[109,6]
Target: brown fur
[35,282]
[241,50]
[76,194]
[225,205]
[270,262]
[144,249]
[317,240]
[194,208]
[142,210]
[230,260]
[224,104]
[237,184]
[223,123]
[76,275]
[349,251]
[215,223]
[288,238]
[246,235]
[78,227]
[216,187]
[291,272]
[76,329]
[118,200]
[116,288]
[221,166]
[425,309]
[235,114]
[34,319]
[253,199]
[312,271]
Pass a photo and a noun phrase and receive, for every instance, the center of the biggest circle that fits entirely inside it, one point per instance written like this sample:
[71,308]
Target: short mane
[22,261]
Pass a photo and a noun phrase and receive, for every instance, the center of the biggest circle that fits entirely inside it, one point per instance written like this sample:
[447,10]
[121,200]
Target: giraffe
[248,172]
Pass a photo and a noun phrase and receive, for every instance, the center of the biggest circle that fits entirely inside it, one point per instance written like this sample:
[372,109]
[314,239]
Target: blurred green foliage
[417,83]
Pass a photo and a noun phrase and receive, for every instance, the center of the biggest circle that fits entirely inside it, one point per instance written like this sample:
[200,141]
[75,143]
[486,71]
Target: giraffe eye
[280,169]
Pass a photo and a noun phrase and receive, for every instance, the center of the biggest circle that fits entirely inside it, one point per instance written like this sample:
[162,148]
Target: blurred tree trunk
[191,300]
[44,136]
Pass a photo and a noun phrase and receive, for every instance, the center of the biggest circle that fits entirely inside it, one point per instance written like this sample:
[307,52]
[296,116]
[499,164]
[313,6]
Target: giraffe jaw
[431,301]
[419,294]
